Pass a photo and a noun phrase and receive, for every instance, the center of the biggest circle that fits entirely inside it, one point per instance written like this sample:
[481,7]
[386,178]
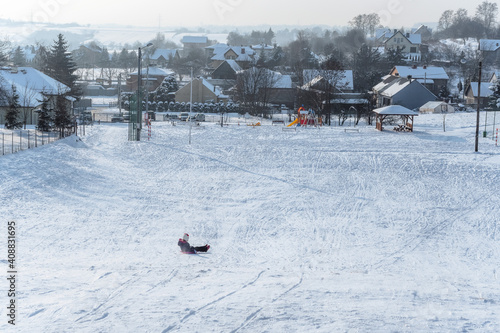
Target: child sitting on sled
[187,248]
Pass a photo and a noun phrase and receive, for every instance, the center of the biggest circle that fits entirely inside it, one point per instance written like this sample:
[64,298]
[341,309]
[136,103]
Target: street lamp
[135,133]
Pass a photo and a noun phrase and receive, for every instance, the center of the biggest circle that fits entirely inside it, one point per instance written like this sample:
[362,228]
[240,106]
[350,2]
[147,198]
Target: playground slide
[293,122]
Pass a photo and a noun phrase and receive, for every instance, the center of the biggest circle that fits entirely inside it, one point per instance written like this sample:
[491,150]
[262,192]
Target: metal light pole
[138,118]
[478,105]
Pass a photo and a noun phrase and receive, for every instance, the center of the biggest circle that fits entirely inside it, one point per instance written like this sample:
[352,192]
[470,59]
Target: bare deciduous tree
[446,20]
[253,87]
[366,22]
[486,13]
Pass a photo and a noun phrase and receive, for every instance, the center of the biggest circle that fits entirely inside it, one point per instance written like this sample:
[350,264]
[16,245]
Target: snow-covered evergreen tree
[44,118]
[444,93]
[3,53]
[495,97]
[19,59]
[60,65]
[62,119]
[164,92]
[12,115]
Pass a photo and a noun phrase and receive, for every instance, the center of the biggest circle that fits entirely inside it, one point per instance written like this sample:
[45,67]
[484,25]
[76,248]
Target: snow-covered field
[314,230]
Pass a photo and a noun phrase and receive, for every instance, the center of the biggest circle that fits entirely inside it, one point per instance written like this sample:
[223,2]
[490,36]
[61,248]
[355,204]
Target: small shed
[436,107]
[406,115]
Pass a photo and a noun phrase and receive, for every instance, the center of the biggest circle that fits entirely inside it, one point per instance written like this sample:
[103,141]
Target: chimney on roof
[407,35]
[395,31]
[414,67]
[409,77]
[242,50]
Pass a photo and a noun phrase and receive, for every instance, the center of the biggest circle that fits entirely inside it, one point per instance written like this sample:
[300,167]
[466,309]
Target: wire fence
[17,140]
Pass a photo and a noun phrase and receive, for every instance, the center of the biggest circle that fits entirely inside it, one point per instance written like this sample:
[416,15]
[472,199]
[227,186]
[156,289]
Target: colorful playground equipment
[306,118]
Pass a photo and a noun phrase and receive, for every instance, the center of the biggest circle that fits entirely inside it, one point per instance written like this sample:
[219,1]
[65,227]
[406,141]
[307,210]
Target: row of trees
[48,119]
[57,63]
[458,23]
[253,38]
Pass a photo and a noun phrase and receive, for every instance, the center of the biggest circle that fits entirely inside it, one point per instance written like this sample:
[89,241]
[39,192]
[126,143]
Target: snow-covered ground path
[320,230]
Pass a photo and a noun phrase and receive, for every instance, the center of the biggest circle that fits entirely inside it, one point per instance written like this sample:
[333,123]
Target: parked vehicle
[117,119]
[184,116]
[198,117]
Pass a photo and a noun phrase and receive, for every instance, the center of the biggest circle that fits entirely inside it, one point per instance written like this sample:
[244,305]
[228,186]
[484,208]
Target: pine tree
[3,55]
[163,92]
[104,59]
[367,66]
[12,115]
[269,36]
[60,65]
[494,103]
[19,58]
[444,93]
[395,57]
[41,59]
[44,118]
[62,119]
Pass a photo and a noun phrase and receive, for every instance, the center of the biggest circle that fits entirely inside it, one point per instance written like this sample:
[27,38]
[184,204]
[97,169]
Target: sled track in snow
[413,243]
[194,312]
[110,297]
[254,314]
[254,173]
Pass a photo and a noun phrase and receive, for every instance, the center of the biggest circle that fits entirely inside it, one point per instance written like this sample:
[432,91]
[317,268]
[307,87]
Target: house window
[413,49]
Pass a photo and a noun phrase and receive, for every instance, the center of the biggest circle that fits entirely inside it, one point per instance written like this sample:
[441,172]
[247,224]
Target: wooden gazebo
[406,115]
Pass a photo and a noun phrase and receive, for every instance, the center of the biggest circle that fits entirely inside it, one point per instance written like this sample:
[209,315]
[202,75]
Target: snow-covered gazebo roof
[396,110]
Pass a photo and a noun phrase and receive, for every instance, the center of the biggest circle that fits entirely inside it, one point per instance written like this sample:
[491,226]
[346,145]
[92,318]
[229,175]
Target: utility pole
[120,93]
[478,105]
[147,88]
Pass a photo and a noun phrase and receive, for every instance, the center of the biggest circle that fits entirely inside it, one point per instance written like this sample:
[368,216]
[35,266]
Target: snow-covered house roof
[383,33]
[343,80]
[234,65]
[283,82]
[414,38]
[489,44]
[243,53]
[217,46]
[276,79]
[395,87]
[485,89]
[436,107]
[31,84]
[216,90]
[165,53]
[424,72]
[262,47]
[154,71]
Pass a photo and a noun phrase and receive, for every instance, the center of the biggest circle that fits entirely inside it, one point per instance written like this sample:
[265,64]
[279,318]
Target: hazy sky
[393,13]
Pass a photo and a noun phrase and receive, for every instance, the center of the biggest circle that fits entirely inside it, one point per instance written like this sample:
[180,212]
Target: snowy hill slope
[310,230]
